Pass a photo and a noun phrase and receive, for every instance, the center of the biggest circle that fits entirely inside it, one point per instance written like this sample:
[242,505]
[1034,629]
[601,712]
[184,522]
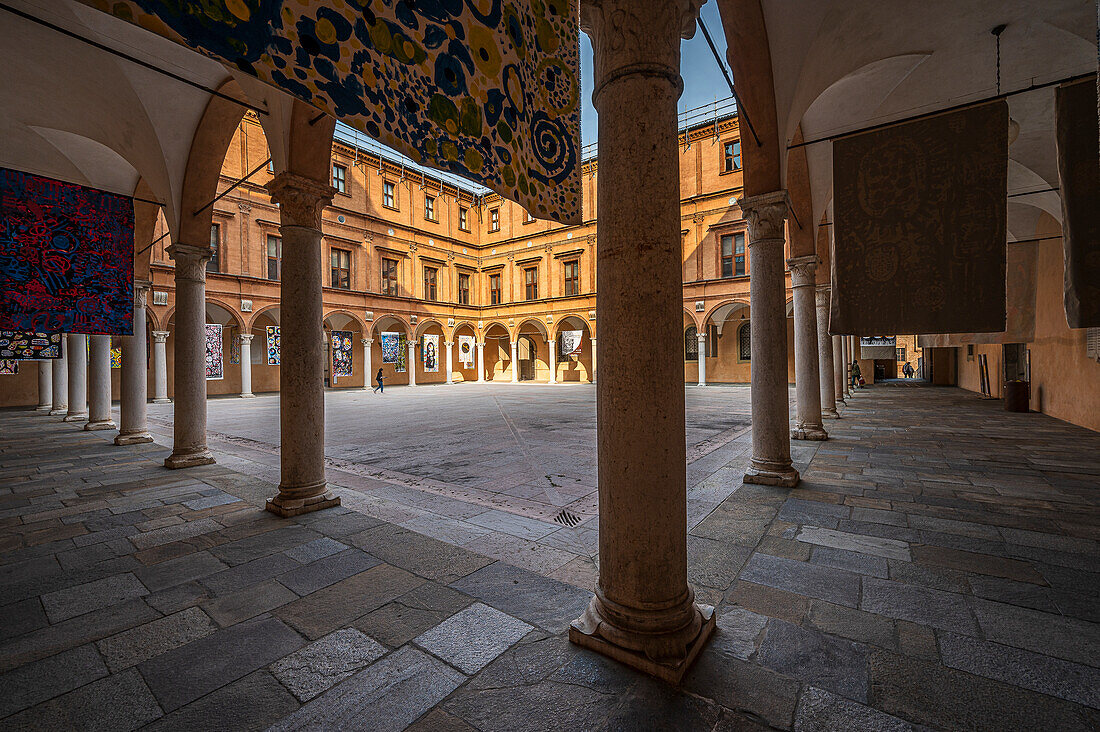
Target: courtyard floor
[939,567]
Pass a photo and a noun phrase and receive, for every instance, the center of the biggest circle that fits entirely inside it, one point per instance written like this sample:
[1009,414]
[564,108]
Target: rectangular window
[463,218]
[274,256]
[494,219]
[727,255]
[900,354]
[429,207]
[531,283]
[341,268]
[464,289]
[340,178]
[389,277]
[731,156]
[388,198]
[572,278]
[494,289]
[430,274]
[739,255]
[529,218]
[215,242]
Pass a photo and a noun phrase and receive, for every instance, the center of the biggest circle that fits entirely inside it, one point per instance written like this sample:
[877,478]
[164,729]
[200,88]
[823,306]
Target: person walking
[907,369]
[378,378]
[856,374]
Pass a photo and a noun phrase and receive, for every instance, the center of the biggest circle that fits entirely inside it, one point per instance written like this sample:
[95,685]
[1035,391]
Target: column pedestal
[701,353]
[246,365]
[825,354]
[480,362]
[368,369]
[643,612]
[189,418]
[450,356]
[302,485]
[78,377]
[45,386]
[552,358]
[59,370]
[807,376]
[99,384]
[160,367]
[771,441]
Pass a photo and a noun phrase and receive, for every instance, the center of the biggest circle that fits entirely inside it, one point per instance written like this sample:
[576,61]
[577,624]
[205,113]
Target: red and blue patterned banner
[66,257]
[341,352]
[23,345]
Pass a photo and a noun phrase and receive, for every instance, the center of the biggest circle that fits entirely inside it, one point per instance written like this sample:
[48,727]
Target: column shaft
[45,385]
[838,368]
[246,365]
[593,374]
[368,369]
[553,360]
[160,367]
[189,369]
[412,363]
[132,422]
[701,352]
[78,375]
[60,371]
[825,355]
[807,375]
[99,384]
[480,362]
[515,362]
[450,356]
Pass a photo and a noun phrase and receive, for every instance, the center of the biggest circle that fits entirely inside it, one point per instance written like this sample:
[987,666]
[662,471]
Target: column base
[133,438]
[188,460]
[75,417]
[829,414]
[810,432]
[286,506]
[585,632]
[162,401]
[249,395]
[104,424]
[44,410]
[59,412]
[783,477]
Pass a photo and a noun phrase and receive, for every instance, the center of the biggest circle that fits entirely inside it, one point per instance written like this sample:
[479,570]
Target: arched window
[691,344]
[744,345]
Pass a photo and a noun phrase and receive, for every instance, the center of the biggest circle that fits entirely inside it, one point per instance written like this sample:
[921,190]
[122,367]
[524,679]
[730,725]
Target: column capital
[366,341]
[301,200]
[826,288]
[448,344]
[802,270]
[246,337]
[160,336]
[701,336]
[190,261]
[765,215]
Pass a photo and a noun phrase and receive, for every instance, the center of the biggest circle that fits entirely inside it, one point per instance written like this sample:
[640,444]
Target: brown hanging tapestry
[1079,170]
[920,226]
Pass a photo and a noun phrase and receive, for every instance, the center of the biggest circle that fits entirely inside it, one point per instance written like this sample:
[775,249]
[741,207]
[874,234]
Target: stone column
[160,367]
[701,351]
[246,365]
[60,371]
[45,386]
[302,485]
[825,355]
[771,441]
[412,363]
[807,377]
[515,362]
[78,377]
[643,612]
[848,365]
[189,369]
[368,370]
[132,424]
[553,360]
[99,384]
[838,368]
[450,356]
[593,379]
[480,362]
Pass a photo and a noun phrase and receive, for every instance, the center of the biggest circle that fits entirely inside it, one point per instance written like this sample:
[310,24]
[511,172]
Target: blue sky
[702,79]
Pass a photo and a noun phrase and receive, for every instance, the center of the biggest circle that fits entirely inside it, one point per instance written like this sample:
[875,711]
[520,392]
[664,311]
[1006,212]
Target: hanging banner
[9,367]
[466,346]
[116,357]
[25,345]
[402,353]
[429,352]
[234,348]
[570,342]
[214,370]
[67,255]
[1079,172]
[341,353]
[872,347]
[486,90]
[390,348]
[273,350]
[919,221]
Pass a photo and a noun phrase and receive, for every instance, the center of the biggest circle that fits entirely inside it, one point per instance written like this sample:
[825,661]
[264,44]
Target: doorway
[526,354]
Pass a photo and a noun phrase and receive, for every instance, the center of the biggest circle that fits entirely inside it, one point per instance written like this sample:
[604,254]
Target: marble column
[78,377]
[368,369]
[848,356]
[133,427]
[643,612]
[412,362]
[246,365]
[99,384]
[45,386]
[771,440]
[515,362]
[825,354]
[480,362]
[189,369]
[701,351]
[450,357]
[553,360]
[160,367]
[60,371]
[593,379]
[302,485]
[807,375]
[838,368]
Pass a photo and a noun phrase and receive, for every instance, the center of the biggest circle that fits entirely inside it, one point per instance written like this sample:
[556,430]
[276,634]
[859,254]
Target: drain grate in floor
[567,519]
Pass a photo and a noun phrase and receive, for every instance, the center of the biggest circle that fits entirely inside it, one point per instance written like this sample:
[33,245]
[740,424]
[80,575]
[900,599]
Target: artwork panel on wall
[466,347]
[402,353]
[920,225]
[116,357]
[234,349]
[390,347]
[1079,173]
[68,254]
[274,352]
[486,90]
[214,345]
[341,353]
[429,352]
[570,343]
[28,345]
[9,367]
